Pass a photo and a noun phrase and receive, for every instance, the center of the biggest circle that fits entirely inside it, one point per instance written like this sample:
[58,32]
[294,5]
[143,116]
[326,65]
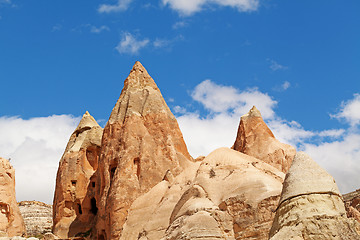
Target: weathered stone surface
[141,141]
[254,138]
[73,212]
[37,217]
[352,204]
[11,221]
[311,206]
[228,195]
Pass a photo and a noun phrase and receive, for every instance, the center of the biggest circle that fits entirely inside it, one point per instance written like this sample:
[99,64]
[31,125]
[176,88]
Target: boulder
[254,138]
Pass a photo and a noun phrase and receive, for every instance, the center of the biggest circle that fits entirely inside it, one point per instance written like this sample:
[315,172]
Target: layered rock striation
[73,208]
[11,221]
[352,204]
[141,142]
[254,138]
[37,217]
[311,206]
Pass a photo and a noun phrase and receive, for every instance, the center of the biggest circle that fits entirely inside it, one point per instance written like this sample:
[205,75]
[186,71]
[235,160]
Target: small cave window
[94,208]
[112,171]
[73,182]
[137,164]
[79,208]
[93,184]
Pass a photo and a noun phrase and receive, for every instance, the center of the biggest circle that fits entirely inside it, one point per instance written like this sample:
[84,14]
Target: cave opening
[79,208]
[94,208]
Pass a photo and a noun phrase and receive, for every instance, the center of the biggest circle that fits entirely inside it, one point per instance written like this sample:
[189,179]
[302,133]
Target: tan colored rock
[311,206]
[254,138]
[11,221]
[37,217]
[352,204]
[73,211]
[141,141]
[229,195]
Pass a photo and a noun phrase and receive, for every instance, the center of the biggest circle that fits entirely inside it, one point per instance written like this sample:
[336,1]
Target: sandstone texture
[352,204]
[37,217]
[11,221]
[141,142]
[254,138]
[311,206]
[73,211]
[228,195]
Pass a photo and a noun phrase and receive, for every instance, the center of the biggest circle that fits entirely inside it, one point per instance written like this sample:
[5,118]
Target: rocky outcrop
[11,222]
[73,209]
[352,204]
[141,142]
[254,138]
[228,195]
[37,217]
[311,206]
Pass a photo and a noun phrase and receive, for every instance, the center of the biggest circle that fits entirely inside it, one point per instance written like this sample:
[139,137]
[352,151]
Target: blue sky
[297,61]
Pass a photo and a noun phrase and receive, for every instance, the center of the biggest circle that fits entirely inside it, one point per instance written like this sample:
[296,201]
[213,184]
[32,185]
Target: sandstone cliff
[228,195]
[141,141]
[73,210]
[311,206]
[352,204]
[37,217]
[254,138]
[11,222]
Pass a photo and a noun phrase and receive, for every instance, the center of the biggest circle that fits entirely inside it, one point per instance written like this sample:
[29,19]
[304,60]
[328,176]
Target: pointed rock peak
[139,78]
[87,121]
[305,177]
[254,112]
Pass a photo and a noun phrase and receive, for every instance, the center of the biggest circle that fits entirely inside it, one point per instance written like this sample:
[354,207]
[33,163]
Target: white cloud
[218,98]
[100,29]
[285,85]
[350,111]
[35,147]
[275,66]
[121,5]
[179,24]
[189,7]
[337,150]
[5,2]
[159,43]
[129,44]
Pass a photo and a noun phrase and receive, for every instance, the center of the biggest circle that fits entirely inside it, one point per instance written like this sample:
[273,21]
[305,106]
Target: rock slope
[352,204]
[73,210]
[254,138]
[311,206]
[37,217]
[11,221]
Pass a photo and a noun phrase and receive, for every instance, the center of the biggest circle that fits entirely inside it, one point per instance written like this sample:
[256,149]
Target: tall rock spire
[254,138]
[72,208]
[141,141]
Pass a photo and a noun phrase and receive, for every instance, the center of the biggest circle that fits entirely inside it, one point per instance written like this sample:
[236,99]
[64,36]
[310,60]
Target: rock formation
[73,211]
[311,206]
[37,217]
[352,204]
[228,195]
[11,222]
[254,138]
[141,141]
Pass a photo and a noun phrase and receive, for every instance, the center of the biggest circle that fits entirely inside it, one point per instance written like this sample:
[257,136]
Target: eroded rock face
[11,221]
[254,138]
[73,211]
[141,142]
[352,204]
[311,206]
[228,195]
[37,217]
